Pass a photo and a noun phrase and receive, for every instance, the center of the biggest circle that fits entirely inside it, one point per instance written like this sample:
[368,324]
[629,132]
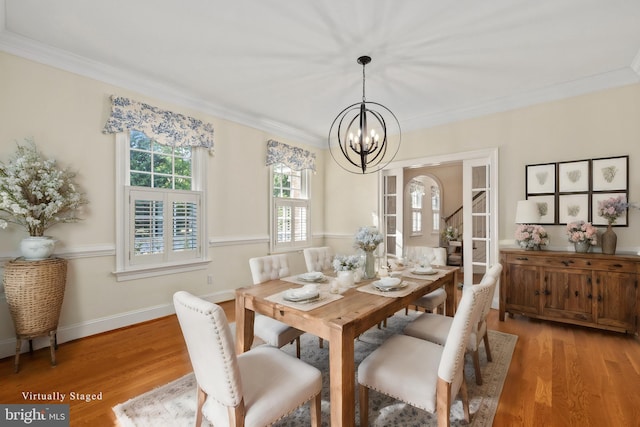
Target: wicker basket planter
[34,292]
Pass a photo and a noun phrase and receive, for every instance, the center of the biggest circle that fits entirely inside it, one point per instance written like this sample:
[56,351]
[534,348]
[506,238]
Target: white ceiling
[290,66]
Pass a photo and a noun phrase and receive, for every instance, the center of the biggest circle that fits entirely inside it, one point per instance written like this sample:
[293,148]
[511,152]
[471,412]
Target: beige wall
[65,113]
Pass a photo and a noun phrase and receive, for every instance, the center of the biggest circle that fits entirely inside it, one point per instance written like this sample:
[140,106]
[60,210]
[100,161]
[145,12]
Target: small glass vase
[582,247]
[609,241]
[369,265]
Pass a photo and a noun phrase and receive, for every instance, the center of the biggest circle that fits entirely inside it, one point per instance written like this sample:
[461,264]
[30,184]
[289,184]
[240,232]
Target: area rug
[174,403]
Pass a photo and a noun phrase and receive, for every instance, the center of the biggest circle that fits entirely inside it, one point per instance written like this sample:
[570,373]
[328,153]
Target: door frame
[490,157]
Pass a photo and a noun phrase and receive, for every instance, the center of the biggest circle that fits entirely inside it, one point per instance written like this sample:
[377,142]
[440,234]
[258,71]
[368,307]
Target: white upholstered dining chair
[255,388]
[433,301]
[435,328]
[421,373]
[269,330]
[318,258]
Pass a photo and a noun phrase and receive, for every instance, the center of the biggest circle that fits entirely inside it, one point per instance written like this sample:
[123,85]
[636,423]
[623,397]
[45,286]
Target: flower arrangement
[531,236]
[450,234]
[580,231]
[346,262]
[368,239]
[35,194]
[612,208]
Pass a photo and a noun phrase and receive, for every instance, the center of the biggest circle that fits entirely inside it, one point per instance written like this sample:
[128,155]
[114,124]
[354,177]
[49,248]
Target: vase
[369,265]
[346,278]
[36,248]
[582,247]
[609,241]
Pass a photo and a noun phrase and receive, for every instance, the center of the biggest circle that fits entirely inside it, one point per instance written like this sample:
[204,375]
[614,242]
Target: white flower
[35,194]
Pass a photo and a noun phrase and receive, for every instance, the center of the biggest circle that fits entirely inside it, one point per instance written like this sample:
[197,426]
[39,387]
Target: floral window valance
[164,127]
[294,157]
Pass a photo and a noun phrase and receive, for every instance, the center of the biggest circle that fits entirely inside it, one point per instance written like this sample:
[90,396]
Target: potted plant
[583,235]
[368,239]
[345,267]
[531,237]
[36,194]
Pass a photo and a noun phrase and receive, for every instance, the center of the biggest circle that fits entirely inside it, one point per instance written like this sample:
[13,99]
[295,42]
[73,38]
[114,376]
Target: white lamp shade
[527,212]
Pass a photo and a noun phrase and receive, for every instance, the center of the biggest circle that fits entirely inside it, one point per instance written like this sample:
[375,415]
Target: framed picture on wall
[573,207]
[610,174]
[597,219]
[541,179]
[547,208]
[573,177]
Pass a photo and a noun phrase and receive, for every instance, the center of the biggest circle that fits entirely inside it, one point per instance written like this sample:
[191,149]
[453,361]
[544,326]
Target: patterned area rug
[174,403]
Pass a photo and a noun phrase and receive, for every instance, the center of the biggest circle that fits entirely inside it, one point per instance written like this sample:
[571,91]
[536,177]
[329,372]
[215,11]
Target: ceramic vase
[609,241]
[369,265]
[582,247]
[346,279]
[37,248]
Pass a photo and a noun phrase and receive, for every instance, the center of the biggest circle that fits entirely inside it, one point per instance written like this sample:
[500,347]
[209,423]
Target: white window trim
[124,271]
[273,220]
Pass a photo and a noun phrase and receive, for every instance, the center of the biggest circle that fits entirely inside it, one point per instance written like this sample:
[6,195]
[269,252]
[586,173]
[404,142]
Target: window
[162,225]
[417,194]
[435,208]
[290,208]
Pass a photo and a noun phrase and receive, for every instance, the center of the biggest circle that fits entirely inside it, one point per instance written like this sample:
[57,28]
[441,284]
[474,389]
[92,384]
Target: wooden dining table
[339,322]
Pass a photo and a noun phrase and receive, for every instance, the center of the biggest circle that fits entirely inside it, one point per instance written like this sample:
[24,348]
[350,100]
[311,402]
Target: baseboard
[105,324]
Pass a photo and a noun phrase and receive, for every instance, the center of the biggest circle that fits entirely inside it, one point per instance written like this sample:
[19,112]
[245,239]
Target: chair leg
[201,398]
[464,396]
[487,349]
[316,410]
[476,366]
[363,392]
[298,347]
[443,402]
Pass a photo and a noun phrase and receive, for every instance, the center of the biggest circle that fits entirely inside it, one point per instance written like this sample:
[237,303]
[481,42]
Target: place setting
[312,277]
[307,297]
[424,272]
[393,286]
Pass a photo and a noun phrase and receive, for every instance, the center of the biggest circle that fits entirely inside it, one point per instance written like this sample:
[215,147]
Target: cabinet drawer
[525,259]
[571,261]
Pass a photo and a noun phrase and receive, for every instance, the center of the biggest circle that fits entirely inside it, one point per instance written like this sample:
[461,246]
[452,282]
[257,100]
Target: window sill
[145,271]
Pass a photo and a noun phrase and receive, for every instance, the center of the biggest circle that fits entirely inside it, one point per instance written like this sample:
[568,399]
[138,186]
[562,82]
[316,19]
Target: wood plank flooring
[560,375]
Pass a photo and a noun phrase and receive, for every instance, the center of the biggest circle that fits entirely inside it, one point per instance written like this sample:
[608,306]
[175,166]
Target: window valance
[294,157]
[164,127]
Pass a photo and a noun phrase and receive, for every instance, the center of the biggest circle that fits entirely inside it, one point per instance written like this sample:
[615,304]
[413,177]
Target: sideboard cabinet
[595,290]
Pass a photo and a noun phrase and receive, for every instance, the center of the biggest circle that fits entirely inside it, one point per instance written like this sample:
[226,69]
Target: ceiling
[289,67]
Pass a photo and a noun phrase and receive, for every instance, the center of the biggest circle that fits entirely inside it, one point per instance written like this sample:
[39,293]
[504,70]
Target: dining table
[338,318]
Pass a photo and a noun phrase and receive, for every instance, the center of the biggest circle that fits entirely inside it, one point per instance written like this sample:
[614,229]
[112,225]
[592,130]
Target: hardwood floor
[560,375]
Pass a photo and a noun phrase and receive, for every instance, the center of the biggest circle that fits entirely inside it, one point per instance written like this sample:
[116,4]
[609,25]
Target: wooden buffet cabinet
[595,290]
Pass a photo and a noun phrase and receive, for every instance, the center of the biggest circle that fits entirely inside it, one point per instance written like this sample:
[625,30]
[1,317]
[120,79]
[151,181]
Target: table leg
[342,376]
[244,326]
[450,289]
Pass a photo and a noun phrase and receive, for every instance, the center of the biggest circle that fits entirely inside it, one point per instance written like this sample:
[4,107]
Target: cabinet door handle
[522,258]
[566,263]
[590,296]
[617,265]
[576,293]
[599,298]
[547,292]
[589,280]
[537,292]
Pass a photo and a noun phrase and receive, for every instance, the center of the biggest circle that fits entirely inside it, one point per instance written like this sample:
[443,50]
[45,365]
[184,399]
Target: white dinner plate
[424,272]
[313,276]
[300,295]
[386,288]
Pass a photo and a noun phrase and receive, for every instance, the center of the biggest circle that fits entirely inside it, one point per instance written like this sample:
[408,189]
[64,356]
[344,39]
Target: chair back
[434,256]
[468,313]
[318,259]
[269,267]
[211,348]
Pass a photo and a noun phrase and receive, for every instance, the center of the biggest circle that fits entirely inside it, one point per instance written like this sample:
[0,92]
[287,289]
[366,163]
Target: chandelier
[366,135]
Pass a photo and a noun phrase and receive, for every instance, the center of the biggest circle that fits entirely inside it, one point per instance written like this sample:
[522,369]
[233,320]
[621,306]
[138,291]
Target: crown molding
[64,60]
[608,80]
[58,58]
